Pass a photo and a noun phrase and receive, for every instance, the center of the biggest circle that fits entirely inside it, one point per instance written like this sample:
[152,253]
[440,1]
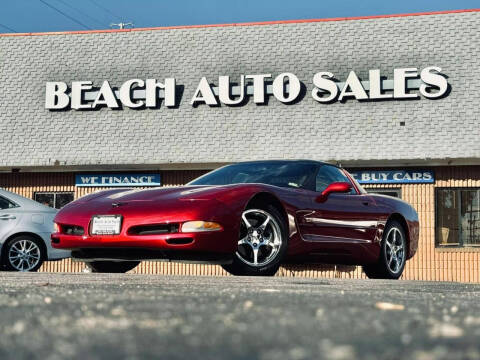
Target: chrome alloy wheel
[395,250]
[24,255]
[260,238]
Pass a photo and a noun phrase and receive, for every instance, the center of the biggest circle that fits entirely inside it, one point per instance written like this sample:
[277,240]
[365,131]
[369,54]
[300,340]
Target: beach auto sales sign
[407,83]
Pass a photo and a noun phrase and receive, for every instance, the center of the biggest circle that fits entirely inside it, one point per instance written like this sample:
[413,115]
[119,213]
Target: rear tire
[23,253]
[112,266]
[393,254]
[262,245]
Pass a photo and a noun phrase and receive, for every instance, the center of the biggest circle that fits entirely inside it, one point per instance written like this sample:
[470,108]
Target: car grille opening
[153,229]
[179,241]
[72,230]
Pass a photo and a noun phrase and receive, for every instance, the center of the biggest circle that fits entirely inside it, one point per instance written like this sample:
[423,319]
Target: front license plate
[106,224]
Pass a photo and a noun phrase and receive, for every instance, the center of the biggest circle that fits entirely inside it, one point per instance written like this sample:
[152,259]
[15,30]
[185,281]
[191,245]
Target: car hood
[155,194]
[123,201]
[155,205]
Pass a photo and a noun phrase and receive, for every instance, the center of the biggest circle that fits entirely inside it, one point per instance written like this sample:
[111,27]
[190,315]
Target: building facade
[391,98]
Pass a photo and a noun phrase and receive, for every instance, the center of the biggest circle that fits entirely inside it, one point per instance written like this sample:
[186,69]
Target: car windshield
[283,174]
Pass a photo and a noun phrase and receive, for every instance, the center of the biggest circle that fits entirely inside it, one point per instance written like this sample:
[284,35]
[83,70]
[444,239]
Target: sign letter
[376,86]
[323,83]
[279,87]
[125,91]
[204,93]
[431,76]
[151,89]
[224,90]
[353,87]
[78,87]
[105,96]
[56,97]
[258,87]
[399,83]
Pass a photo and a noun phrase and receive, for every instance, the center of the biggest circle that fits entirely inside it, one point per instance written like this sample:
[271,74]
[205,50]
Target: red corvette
[248,217]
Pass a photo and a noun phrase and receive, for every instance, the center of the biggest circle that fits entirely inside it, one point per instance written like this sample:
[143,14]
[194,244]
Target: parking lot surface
[110,316]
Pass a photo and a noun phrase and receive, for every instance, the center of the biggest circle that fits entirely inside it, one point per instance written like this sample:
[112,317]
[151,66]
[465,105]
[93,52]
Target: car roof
[280,161]
[26,203]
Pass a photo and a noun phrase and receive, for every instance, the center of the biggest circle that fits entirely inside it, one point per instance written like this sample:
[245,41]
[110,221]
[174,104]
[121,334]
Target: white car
[25,229]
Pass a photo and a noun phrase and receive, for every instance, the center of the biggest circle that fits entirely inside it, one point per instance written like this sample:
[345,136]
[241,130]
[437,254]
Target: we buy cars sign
[394,176]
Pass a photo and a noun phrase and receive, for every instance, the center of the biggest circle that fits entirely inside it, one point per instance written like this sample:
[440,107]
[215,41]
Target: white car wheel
[23,253]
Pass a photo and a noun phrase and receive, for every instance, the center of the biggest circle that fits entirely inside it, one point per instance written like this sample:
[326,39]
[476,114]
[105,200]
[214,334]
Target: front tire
[393,254]
[262,243]
[23,253]
[112,266]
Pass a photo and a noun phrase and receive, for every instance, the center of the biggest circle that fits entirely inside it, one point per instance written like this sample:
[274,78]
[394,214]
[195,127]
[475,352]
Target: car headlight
[198,226]
[56,227]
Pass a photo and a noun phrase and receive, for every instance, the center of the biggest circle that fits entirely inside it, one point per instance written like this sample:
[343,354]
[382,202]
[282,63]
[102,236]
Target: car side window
[6,204]
[328,174]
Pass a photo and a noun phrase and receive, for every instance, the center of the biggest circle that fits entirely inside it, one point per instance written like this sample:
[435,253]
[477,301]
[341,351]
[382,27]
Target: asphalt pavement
[110,316]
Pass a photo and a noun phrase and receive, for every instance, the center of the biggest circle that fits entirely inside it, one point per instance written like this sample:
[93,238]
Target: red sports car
[249,217]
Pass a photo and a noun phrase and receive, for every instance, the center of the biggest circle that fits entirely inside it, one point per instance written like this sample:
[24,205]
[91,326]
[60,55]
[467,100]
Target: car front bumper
[209,246]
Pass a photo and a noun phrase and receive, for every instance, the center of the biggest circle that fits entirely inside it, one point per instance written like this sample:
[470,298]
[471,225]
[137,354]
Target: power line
[8,28]
[66,15]
[105,9]
[81,12]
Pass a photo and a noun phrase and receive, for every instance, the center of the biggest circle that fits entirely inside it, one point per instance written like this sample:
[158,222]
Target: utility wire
[8,28]
[82,12]
[66,15]
[105,9]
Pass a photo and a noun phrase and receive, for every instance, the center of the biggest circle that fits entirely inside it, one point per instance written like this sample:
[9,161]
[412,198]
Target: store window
[383,191]
[55,200]
[458,217]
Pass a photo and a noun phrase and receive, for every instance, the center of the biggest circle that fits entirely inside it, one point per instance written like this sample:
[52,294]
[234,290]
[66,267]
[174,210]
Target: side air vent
[153,229]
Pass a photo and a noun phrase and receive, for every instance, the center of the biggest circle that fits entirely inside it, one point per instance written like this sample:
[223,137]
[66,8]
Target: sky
[71,15]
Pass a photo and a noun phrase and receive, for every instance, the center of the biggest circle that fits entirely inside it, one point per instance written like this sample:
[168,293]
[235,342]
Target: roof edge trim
[277,22]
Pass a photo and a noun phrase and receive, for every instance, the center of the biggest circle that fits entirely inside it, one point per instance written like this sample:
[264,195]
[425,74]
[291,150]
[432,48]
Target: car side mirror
[336,187]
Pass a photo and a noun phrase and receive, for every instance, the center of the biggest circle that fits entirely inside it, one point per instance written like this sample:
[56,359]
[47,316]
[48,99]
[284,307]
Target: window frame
[10,201]
[343,172]
[460,245]
[54,193]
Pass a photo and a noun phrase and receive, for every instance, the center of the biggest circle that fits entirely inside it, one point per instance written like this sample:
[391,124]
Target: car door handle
[366,203]
[7,217]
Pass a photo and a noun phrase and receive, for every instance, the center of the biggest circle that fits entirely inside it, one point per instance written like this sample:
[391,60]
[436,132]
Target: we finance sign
[113,180]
